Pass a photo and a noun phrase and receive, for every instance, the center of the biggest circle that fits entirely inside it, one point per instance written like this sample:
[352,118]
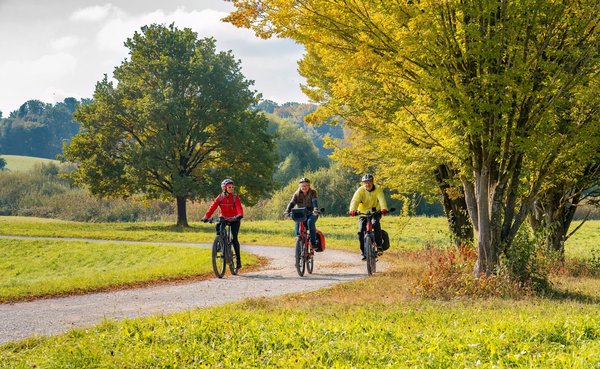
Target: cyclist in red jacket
[230,207]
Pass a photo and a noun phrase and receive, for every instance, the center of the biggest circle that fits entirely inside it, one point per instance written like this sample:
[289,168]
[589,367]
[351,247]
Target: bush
[450,275]
[42,192]
[529,261]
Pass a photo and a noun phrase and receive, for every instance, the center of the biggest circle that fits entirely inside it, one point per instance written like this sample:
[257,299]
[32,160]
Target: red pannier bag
[320,242]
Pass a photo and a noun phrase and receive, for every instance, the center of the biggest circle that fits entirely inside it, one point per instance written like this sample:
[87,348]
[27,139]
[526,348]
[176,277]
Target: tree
[2,164]
[177,122]
[475,86]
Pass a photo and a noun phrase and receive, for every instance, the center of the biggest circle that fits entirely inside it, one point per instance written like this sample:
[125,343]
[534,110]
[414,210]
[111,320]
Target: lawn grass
[340,232]
[17,163]
[38,268]
[375,322]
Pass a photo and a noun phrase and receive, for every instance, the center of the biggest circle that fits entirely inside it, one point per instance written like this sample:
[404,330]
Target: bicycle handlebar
[373,212]
[289,215]
[227,219]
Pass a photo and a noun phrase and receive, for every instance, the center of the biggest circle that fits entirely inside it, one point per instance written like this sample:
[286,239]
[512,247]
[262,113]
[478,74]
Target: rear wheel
[300,265]
[218,257]
[233,258]
[310,261]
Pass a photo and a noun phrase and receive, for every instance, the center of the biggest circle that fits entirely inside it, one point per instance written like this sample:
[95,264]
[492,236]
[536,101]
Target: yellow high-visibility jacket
[364,200]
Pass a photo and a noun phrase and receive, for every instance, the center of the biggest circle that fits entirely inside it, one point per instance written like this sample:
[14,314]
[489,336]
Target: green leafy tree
[295,151]
[2,164]
[177,122]
[476,86]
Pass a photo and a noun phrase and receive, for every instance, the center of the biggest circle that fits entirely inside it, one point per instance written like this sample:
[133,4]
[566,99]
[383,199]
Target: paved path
[54,316]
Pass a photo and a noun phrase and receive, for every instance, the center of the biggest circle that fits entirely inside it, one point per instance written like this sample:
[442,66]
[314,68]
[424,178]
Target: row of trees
[495,103]
[39,129]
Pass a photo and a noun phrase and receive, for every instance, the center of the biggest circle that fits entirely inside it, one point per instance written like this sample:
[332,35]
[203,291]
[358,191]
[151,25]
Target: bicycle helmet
[304,180]
[367,177]
[226,182]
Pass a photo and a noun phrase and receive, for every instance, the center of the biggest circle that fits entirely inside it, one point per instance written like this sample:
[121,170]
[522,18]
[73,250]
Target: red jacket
[230,206]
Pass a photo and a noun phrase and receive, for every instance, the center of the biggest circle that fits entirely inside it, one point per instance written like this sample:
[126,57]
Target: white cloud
[66,42]
[95,13]
[30,78]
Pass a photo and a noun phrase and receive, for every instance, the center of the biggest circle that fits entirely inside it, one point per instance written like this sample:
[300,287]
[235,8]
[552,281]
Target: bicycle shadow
[339,277]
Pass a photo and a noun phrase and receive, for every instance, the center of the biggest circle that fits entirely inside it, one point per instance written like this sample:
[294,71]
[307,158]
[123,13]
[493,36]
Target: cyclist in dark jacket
[306,197]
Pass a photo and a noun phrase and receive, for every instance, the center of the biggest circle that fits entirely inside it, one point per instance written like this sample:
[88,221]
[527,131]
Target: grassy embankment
[376,322]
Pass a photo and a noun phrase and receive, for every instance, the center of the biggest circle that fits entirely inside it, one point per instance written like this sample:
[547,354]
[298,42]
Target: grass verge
[40,268]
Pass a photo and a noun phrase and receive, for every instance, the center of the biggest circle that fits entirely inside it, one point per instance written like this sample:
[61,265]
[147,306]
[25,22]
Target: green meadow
[17,163]
[41,268]
[375,322]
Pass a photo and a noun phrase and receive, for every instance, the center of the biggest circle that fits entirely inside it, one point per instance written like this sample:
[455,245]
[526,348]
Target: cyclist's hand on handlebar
[204,220]
[286,214]
[316,212]
[384,211]
[352,213]
[239,217]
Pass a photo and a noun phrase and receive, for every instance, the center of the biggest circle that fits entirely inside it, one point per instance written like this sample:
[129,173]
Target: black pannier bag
[386,240]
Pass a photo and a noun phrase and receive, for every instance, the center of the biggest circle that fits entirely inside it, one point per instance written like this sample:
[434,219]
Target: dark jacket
[308,201]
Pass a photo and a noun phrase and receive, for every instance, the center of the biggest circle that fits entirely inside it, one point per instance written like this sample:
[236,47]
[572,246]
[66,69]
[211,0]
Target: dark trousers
[311,223]
[362,227]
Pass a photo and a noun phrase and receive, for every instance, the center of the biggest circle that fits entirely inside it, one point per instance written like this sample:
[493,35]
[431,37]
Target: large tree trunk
[455,206]
[181,212]
[487,246]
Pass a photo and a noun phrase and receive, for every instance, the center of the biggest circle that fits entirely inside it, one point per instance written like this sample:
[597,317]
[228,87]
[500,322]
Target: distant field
[17,163]
[340,232]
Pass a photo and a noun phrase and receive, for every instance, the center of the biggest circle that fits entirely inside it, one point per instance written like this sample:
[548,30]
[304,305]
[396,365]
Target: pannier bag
[386,240]
[320,242]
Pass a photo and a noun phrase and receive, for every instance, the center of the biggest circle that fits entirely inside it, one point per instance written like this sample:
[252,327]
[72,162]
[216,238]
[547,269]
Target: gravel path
[54,316]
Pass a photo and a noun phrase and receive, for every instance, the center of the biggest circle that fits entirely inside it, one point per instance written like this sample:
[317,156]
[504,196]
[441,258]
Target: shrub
[450,275]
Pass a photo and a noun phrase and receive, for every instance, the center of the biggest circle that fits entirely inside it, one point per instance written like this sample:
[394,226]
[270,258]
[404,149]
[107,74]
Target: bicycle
[223,252]
[304,250]
[370,248]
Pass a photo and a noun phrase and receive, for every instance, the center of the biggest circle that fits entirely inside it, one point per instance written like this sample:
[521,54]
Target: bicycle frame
[223,252]
[371,249]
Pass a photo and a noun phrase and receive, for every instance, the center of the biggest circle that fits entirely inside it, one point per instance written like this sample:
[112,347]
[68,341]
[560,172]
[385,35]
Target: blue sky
[50,50]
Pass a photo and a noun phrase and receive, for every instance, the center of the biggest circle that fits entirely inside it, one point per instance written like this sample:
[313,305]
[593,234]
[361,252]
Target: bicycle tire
[233,265]
[219,257]
[300,265]
[371,257]
[310,261]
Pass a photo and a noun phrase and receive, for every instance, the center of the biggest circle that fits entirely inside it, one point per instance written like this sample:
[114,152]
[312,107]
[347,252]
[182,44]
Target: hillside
[16,163]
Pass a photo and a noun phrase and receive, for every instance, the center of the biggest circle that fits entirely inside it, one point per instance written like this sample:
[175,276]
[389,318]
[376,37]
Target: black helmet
[367,177]
[304,180]
[226,182]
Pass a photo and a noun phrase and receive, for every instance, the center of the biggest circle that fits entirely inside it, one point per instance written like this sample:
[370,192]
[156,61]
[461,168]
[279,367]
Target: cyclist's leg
[297,228]
[311,223]
[235,230]
[362,225]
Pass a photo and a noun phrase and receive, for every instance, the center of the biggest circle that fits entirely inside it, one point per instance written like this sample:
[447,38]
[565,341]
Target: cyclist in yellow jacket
[367,197]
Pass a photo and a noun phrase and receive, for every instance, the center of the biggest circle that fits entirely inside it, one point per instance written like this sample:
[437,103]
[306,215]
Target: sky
[52,49]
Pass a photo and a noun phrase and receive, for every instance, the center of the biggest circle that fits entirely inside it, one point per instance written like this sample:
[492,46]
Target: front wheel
[218,257]
[300,265]
[371,255]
